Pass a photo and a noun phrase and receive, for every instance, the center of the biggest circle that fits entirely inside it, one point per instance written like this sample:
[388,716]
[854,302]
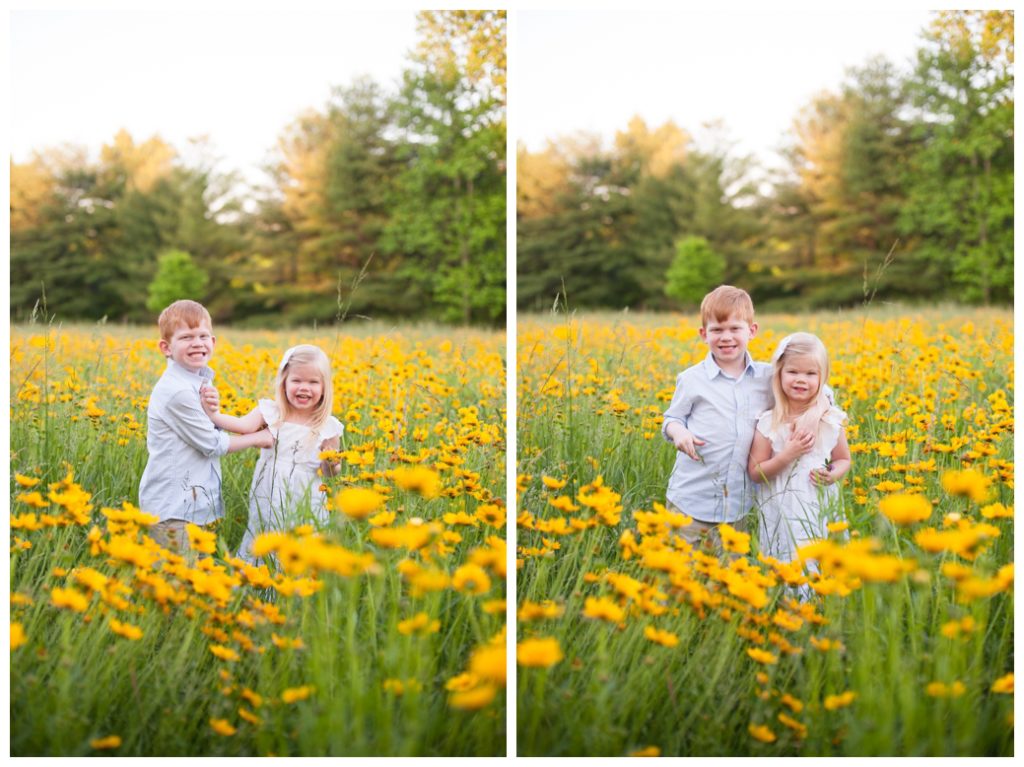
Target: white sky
[239,76]
[753,69]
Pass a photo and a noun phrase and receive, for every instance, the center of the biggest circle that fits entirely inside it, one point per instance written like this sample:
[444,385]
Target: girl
[299,418]
[799,449]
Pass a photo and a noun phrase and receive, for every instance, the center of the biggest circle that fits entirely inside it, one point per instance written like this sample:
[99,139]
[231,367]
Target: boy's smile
[191,348]
[728,340]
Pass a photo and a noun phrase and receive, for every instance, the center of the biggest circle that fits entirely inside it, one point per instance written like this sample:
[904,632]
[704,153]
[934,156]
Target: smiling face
[191,348]
[728,340]
[304,388]
[800,378]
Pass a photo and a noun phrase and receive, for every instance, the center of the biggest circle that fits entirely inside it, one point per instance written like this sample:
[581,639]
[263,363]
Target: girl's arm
[247,424]
[327,468]
[763,466]
[839,464]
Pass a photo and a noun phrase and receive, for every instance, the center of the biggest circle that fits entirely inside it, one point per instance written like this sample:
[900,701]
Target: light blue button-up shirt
[722,411]
[182,477]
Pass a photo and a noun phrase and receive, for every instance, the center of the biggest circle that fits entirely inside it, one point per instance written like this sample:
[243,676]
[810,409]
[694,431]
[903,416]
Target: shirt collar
[712,369]
[203,375]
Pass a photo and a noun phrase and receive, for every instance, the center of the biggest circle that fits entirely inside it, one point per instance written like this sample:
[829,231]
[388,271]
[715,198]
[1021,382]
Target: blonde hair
[725,301]
[305,354]
[191,314]
[800,345]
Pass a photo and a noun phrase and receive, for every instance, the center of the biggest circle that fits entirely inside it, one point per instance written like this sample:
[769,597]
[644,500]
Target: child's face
[728,339]
[800,378]
[191,348]
[304,387]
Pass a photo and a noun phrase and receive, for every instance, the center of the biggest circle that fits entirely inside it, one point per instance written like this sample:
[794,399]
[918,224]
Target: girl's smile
[800,379]
[304,387]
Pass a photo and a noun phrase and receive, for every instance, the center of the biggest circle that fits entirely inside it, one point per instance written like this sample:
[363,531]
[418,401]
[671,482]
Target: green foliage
[177,277]
[695,270]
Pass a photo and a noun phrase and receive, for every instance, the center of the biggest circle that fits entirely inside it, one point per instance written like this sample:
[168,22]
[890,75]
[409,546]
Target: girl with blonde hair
[286,480]
[799,451]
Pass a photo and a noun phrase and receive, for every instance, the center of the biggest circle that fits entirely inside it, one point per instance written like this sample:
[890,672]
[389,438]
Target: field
[631,642]
[381,634]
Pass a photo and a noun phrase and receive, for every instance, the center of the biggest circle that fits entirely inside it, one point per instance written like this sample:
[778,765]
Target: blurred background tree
[382,204]
[896,186]
[694,272]
[177,277]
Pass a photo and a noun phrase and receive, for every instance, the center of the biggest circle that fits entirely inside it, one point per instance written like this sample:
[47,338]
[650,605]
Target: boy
[715,407]
[181,483]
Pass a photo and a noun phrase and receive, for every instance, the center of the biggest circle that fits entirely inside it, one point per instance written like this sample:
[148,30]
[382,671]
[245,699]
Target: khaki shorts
[705,534]
[172,535]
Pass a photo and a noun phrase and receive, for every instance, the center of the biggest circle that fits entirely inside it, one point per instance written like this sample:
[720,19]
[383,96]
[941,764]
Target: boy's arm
[262,438]
[189,422]
[839,463]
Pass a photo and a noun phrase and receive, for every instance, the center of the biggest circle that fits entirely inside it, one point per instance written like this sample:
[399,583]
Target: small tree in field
[177,276]
[694,271]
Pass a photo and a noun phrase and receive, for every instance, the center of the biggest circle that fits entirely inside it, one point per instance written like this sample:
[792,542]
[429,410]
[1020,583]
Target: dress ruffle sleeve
[271,413]
[764,423]
[332,428]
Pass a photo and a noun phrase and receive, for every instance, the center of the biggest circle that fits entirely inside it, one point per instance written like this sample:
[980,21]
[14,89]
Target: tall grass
[305,658]
[882,670]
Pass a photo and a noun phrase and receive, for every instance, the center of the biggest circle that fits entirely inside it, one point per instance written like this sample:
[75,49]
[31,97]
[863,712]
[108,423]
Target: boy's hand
[686,442]
[210,399]
[799,443]
[263,438]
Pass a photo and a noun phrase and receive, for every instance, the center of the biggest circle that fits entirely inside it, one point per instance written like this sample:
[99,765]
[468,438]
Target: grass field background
[630,642]
[382,633]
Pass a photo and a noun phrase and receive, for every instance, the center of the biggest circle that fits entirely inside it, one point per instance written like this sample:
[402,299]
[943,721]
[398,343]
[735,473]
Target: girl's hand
[799,443]
[822,477]
[210,399]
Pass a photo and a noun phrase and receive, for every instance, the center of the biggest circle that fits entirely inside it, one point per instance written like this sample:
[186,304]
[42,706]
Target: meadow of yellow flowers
[629,641]
[382,633]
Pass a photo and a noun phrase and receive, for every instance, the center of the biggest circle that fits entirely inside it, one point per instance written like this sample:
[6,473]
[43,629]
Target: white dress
[285,487]
[793,511]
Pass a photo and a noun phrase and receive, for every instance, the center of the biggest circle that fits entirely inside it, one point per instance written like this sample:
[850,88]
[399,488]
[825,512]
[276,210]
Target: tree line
[898,186]
[381,204]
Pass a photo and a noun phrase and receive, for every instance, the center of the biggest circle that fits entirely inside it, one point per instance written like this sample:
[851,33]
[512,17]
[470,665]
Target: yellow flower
[24,481]
[293,694]
[996,510]
[103,744]
[18,637]
[658,636]
[532,611]
[762,656]
[473,698]
[34,498]
[249,716]
[552,483]
[222,727]
[418,479]
[419,623]
[358,502]
[203,541]
[761,733]
[563,503]
[224,653]
[538,652]
[69,598]
[488,662]
[833,702]
[602,608]
[649,751]
[733,540]
[906,508]
[491,514]
[1004,684]
[471,579]
[126,630]
[969,483]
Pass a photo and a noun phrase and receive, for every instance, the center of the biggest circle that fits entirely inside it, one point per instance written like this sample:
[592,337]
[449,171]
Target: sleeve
[679,409]
[271,414]
[764,423]
[186,418]
[332,428]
